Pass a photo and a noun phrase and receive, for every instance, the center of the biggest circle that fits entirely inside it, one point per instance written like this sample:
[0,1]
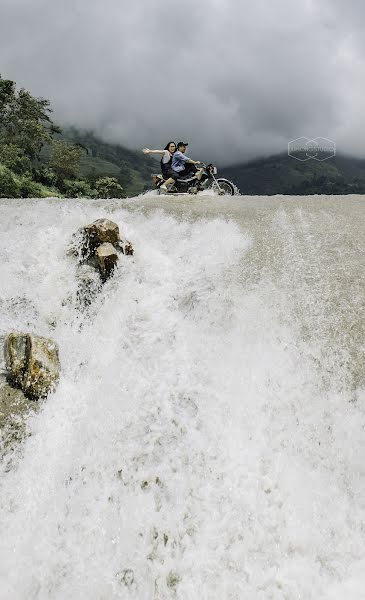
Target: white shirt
[166,157]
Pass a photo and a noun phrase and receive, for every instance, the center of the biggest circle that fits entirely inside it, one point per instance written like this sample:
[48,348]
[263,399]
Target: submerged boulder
[32,363]
[90,237]
[107,257]
[97,247]
[102,230]
[85,241]
[15,356]
[43,366]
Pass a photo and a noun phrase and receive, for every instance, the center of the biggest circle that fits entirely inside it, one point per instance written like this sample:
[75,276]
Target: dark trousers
[187,172]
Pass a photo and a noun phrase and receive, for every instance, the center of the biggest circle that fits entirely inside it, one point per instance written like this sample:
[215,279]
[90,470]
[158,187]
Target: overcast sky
[235,78]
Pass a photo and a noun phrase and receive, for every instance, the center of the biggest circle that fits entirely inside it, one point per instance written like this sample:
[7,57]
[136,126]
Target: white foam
[189,439]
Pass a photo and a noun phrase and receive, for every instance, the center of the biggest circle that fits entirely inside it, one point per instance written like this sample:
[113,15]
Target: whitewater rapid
[207,437]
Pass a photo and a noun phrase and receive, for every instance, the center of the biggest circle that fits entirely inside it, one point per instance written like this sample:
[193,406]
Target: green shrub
[12,156]
[9,187]
[65,160]
[78,189]
[108,187]
[45,176]
[29,188]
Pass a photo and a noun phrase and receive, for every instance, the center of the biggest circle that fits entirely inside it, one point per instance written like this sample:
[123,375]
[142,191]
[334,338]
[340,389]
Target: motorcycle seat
[188,180]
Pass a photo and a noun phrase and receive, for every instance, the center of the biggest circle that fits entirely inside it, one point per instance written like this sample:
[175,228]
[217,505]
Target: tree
[108,187]
[24,120]
[78,189]
[13,157]
[9,187]
[65,160]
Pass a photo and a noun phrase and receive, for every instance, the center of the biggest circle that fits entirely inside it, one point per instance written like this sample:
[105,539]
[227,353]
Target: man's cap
[182,144]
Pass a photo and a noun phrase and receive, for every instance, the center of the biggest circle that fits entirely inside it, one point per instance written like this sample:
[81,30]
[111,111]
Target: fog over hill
[237,79]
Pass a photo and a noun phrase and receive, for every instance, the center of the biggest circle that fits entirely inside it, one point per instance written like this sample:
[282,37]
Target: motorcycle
[208,181]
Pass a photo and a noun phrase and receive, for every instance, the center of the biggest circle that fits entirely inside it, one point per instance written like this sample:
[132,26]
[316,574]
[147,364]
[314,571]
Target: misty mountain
[282,174]
[278,174]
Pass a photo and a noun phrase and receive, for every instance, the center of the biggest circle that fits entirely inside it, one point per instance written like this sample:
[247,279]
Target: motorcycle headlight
[215,170]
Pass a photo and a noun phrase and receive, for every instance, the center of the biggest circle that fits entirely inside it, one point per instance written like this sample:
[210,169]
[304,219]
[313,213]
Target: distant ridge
[277,174]
[282,174]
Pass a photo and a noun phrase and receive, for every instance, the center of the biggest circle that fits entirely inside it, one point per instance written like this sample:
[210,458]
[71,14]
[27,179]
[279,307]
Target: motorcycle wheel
[226,187]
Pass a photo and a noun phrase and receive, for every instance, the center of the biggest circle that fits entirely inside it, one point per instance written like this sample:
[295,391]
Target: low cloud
[236,78]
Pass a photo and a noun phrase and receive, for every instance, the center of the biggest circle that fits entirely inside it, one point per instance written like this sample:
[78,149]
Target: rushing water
[207,438]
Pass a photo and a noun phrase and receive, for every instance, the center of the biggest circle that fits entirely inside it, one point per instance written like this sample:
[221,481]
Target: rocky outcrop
[107,257]
[101,231]
[87,239]
[32,363]
[97,246]
[15,347]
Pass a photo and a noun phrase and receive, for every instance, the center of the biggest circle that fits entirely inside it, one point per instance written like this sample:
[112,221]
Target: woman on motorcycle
[166,160]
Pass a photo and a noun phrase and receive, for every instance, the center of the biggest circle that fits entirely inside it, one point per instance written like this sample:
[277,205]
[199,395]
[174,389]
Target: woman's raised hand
[146,150]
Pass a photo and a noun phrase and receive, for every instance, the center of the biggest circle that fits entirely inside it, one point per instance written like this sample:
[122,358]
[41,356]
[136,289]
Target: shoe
[163,187]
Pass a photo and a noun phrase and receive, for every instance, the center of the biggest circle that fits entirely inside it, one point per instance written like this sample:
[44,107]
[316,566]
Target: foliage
[37,158]
[13,157]
[65,161]
[22,186]
[29,188]
[44,175]
[24,120]
[108,187]
[131,168]
[9,187]
[78,189]
[25,127]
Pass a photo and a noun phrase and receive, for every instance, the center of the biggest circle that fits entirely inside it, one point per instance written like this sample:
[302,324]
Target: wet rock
[32,363]
[43,366]
[107,257]
[15,356]
[96,246]
[87,239]
[100,231]
[14,408]
[13,402]
[126,247]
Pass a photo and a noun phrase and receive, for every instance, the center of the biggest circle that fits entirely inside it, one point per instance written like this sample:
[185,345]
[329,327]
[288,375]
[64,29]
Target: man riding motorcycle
[184,166]
[180,174]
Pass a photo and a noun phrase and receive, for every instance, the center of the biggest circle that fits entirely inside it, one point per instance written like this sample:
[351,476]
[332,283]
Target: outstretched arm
[148,151]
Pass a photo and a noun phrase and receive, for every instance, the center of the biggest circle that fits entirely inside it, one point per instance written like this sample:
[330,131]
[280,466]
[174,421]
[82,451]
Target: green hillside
[38,158]
[132,169]
[282,174]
